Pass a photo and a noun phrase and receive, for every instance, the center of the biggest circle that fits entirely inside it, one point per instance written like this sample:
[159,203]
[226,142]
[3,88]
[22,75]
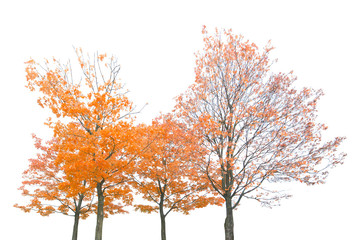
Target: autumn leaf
[256,126]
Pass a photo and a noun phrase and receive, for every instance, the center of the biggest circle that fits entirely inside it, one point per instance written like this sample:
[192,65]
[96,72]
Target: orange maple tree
[257,127]
[95,125]
[49,187]
[165,174]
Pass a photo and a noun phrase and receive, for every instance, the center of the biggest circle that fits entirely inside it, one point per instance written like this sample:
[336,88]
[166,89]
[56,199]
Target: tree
[95,119]
[258,129]
[165,174]
[49,187]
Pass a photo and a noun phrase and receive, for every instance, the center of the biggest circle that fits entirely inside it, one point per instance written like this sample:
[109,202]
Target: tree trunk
[75,226]
[100,211]
[229,220]
[76,217]
[162,214]
[163,225]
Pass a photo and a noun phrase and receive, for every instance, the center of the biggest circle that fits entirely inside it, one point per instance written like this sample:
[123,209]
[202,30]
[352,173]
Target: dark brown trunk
[229,220]
[163,225]
[76,217]
[162,214]
[75,226]
[100,211]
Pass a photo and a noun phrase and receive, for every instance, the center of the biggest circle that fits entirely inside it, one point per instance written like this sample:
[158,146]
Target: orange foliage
[94,126]
[166,174]
[50,189]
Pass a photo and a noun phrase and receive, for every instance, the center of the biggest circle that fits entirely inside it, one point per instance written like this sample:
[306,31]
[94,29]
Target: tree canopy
[256,126]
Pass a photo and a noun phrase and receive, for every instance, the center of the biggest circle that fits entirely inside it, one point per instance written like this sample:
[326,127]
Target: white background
[154,42]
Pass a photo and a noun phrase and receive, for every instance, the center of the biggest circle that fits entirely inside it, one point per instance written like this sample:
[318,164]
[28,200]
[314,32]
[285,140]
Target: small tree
[256,126]
[165,174]
[52,191]
[94,120]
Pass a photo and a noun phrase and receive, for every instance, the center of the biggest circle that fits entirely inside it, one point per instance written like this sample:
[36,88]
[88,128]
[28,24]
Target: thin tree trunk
[229,220]
[76,217]
[75,226]
[100,211]
[163,225]
[162,214]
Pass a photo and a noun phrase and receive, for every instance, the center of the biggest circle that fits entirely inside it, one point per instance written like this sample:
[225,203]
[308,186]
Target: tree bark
[163,225]
[229,220]
[75,226]
[76,217]
[100,211]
